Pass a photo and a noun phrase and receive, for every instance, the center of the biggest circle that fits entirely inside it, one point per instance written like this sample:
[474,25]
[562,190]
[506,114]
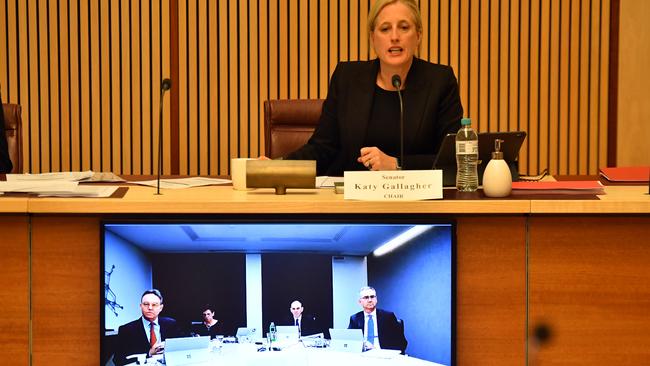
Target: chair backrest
[13,126]
[288,124]
[400,324]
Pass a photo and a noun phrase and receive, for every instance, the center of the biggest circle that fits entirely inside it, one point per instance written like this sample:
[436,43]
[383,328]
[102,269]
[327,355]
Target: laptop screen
[512,141]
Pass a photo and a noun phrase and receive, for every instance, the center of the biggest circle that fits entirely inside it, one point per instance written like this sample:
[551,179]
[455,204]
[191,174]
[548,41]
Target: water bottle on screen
[271,335]
[466,157]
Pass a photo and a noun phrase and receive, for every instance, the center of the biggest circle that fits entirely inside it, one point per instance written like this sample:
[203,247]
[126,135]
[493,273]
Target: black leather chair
[400,323]
[288,124]
[13,128]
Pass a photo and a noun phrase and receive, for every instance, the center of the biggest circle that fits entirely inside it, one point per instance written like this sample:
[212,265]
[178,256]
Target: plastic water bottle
[271,335]
[466,157]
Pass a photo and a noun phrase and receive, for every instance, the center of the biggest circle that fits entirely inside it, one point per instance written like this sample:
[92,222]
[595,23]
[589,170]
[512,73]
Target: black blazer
[309,324]
[432,109]
[203,330]
[132,339]
[5,161]
[390,334]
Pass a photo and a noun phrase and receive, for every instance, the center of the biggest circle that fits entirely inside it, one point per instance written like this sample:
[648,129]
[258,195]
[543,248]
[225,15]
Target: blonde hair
[381,4]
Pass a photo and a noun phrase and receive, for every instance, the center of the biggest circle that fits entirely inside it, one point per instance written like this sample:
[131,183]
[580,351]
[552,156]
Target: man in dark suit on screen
[145,334]
[381,329]
[307,323]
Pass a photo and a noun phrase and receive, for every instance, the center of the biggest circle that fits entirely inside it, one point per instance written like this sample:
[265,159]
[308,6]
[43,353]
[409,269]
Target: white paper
[381,353]
[393,185]
[90,191]
[180,183]
[57,176]
[37,186]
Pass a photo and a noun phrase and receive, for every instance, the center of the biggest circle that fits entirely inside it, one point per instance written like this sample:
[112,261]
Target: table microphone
[397,83]
[166,85]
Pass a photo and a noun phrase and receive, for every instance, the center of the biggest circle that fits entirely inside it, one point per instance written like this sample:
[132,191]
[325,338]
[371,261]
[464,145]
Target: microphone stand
[166,85]
[397,83]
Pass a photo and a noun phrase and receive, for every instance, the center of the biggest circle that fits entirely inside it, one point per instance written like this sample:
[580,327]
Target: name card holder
[393,185]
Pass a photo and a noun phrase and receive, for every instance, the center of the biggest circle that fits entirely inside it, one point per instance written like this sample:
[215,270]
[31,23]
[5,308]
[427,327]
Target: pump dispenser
[497,180]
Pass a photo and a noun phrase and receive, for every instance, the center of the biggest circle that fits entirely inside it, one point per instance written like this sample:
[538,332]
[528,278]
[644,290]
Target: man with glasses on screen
[144,335]
[381,329]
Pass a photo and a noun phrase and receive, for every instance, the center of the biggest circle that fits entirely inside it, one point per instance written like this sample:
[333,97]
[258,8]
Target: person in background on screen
[381,329]
[5,161]
[209,326]
[359,127]
[145,334]
[306,323]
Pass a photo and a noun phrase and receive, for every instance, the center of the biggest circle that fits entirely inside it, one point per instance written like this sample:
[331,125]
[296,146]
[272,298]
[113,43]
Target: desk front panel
[66,290]
[589,279]
[491,292]
[14,290]
[590,284]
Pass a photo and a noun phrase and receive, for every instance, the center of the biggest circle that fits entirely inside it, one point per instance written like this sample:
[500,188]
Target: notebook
[346,340]
[446,158]
[187,350]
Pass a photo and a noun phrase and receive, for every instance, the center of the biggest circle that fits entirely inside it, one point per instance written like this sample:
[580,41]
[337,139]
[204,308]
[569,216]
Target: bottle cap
[497,154]
[465,122]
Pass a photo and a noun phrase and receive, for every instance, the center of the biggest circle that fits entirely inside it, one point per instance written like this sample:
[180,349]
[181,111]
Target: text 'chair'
[13,132]
[288,124]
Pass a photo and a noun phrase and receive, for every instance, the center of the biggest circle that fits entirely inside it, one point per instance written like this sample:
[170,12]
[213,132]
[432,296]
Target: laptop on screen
[187,350]
[446,158]
[346,340]
[287,333]
[246,335]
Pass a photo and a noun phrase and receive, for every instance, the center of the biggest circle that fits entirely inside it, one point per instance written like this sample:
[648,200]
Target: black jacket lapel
[415,100]
[361,104]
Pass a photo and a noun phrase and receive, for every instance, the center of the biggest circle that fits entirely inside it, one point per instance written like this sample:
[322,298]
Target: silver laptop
[346,340]
[187,351]
[246,335]
[287,333]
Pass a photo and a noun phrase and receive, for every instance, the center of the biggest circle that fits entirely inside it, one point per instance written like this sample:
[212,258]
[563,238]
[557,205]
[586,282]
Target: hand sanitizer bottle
[497,180]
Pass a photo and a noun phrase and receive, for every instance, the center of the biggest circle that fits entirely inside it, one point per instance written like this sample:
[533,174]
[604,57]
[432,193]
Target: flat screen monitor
[250,272]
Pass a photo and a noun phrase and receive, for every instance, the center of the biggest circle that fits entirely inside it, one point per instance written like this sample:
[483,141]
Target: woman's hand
[375,159]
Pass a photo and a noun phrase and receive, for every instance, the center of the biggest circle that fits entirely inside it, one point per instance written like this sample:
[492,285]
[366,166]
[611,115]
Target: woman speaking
[359,127]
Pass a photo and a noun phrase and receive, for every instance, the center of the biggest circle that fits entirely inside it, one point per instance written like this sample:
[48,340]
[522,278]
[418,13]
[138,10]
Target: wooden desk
[581,266]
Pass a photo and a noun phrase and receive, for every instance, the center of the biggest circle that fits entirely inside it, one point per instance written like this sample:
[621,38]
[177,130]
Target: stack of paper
[50,177]
[180,183]
[56,188]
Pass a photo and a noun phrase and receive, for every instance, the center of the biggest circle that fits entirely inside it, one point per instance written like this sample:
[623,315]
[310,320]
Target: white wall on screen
[130,278]
[254,293]
[349,274]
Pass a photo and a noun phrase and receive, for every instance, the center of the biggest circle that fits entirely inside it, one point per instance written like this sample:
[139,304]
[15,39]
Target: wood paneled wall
[88,75]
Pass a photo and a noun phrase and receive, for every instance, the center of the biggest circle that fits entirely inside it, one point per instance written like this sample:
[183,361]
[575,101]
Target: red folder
[626,174]
[560,187]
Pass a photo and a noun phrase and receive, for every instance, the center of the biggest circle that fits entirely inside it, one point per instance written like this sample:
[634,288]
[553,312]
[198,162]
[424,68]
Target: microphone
[166,85]
[397,83]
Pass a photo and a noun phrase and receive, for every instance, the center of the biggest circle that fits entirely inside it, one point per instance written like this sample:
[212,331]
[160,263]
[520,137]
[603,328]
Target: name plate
[393,185]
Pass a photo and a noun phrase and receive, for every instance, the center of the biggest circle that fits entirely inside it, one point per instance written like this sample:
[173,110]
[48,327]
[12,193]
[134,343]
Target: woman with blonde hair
[359,126]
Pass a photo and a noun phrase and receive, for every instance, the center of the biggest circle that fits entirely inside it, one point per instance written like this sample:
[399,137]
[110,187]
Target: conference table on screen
[248,354]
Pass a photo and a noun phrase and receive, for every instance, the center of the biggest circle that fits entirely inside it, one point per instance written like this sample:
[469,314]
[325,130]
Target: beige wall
[633,134]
